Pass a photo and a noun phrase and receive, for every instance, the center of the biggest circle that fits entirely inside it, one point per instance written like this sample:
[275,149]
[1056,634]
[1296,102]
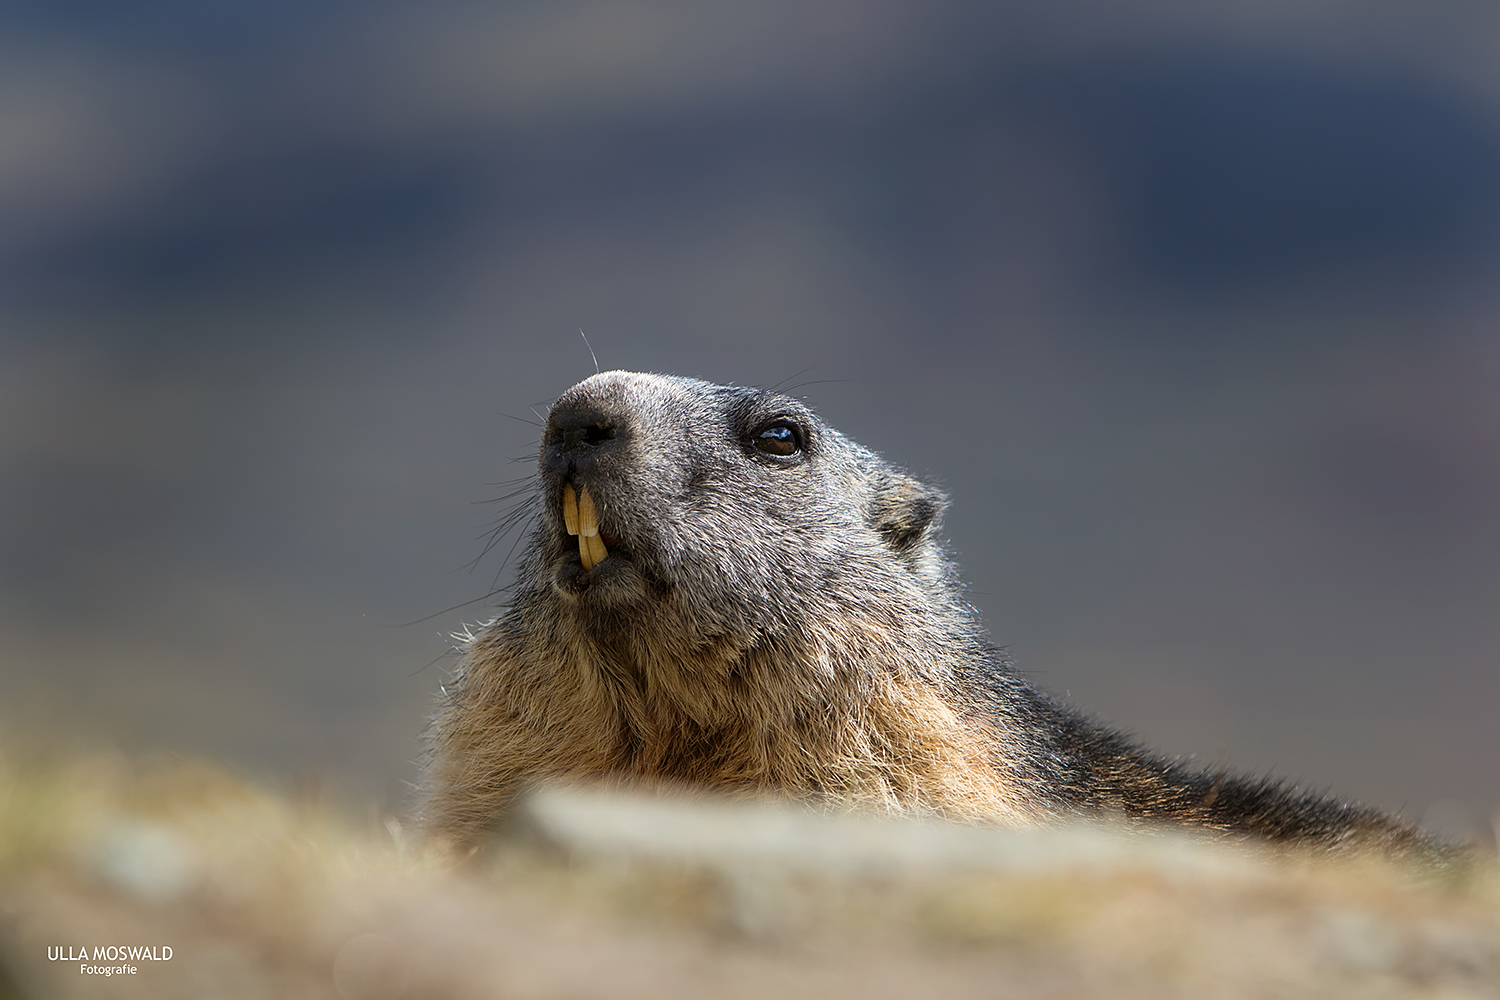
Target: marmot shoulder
[721,590]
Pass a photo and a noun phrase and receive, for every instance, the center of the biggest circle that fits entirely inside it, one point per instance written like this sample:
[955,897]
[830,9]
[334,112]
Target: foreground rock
[597,895]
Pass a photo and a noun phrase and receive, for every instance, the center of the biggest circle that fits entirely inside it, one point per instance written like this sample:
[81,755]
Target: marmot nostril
[583,435]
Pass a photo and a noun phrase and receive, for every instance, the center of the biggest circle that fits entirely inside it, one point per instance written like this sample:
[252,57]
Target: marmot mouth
[581,518]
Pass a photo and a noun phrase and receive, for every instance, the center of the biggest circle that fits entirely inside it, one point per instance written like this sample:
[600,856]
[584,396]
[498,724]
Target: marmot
[723,591]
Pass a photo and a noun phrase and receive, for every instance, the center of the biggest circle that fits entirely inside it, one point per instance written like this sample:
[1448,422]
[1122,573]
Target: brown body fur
[784,623]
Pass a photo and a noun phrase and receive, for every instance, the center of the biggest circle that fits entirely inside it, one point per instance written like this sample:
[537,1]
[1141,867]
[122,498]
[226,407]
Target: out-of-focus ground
[1193,308]
[605,895]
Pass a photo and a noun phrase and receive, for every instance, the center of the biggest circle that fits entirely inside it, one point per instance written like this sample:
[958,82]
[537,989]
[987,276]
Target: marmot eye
[780,439]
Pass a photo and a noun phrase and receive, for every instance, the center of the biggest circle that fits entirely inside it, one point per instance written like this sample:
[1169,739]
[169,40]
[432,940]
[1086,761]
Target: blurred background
[1194,309]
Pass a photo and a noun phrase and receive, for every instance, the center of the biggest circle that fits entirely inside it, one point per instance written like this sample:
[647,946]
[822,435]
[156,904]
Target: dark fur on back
[785,624]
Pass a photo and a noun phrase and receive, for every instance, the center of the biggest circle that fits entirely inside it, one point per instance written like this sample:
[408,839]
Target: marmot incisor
[723,591]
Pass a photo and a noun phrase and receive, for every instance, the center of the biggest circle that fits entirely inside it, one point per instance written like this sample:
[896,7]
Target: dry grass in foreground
[594,895]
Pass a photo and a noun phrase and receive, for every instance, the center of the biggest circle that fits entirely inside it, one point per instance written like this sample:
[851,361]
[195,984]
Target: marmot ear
[904,510]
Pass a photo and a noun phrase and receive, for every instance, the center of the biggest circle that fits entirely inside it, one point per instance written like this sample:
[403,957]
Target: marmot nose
[576,436]
[583,433]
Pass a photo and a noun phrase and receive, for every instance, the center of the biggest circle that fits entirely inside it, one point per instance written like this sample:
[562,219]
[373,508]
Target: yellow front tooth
[584,555]
[588,514]
[570,508]
[597,551]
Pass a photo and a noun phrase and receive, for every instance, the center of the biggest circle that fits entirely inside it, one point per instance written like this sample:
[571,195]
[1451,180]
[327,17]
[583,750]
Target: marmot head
[732,513]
